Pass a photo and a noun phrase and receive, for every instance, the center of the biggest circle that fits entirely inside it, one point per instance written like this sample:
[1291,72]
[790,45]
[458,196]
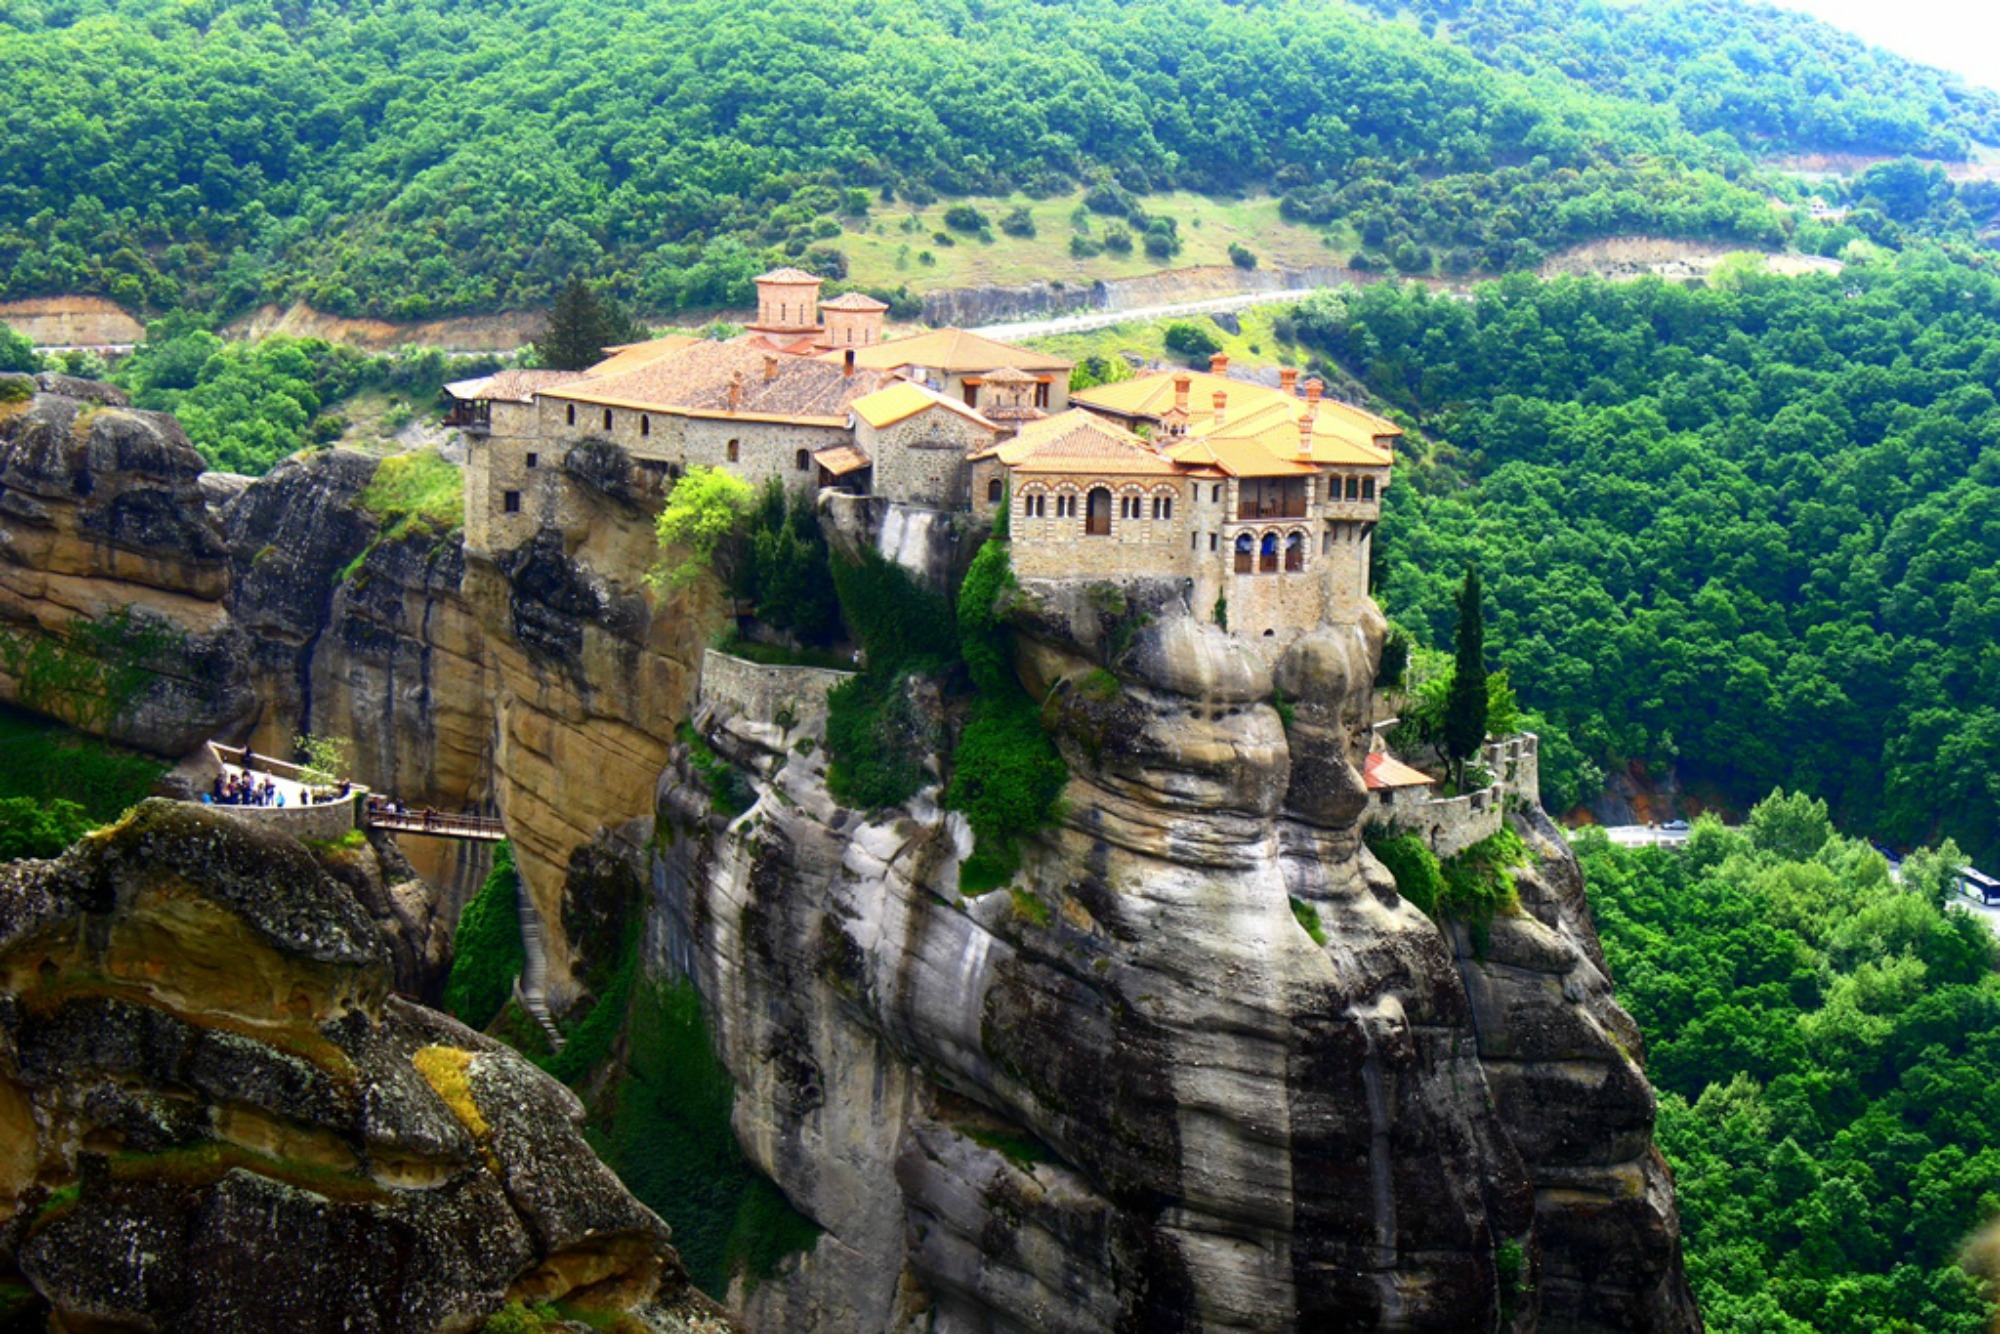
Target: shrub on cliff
[706,509]
[30,827]
[488,954]
[415,493]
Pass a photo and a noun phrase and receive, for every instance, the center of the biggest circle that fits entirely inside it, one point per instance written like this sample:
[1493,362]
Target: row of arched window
[1267,553]
[645,420]
[1135,504]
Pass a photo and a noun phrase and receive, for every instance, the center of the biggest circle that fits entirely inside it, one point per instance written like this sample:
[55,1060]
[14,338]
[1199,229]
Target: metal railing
[476,828]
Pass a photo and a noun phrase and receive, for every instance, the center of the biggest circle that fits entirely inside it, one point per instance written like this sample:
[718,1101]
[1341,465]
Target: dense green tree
[581,324]
[17,353]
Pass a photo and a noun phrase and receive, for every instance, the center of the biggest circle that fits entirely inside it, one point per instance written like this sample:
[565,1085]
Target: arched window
[1034,505]
[572,414]
[994,489]
[1163,507]
[1267,555]
[1097,513]
[607,419]
[1295,552]
[803,461]
[735,450]
[1129,506]
[1246,554]
[645,424]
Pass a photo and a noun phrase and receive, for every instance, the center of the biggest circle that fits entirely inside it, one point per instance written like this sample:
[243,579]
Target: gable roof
[694,379]
[509,386]
[1080,442]
[788,275]
[1256,415]
[954,350]
[1381,769]
[903,400]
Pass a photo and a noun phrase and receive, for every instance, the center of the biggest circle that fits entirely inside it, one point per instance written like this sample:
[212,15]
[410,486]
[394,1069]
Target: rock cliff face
[213,1114]
[111,577]
[1133,1090]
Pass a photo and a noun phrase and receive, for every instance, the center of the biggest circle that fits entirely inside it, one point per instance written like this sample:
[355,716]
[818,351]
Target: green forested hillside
[412,157]
[1767,76]
[1752,528]
[1826,1042]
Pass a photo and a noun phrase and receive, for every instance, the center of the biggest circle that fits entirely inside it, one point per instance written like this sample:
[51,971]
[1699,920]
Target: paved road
[1644,836]
[1104,319]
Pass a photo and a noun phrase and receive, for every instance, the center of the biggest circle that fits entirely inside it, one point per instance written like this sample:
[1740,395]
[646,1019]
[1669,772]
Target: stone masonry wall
[760,692]
[921,459]
[323,823]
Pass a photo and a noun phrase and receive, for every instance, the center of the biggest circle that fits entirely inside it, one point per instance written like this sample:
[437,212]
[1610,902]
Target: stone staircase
[531,987]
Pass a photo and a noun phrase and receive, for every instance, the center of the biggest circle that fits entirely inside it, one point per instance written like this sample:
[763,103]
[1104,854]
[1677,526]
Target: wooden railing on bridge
[474,828]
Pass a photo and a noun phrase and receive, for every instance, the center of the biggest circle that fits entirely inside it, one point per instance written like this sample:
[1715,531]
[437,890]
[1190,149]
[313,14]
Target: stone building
[959,363]
[919,444]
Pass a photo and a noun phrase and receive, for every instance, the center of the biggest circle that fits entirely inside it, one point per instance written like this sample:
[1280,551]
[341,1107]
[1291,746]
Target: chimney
[1306,435]
[736,391]
[1219,364]
[1288,379]
[1314,388]
[848,364]
[1182,383]
[770,367]
[1221,407]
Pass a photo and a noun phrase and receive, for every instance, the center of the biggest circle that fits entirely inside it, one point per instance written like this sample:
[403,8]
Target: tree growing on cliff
[706,508]
[1465,705]
[581,325]
[17,353]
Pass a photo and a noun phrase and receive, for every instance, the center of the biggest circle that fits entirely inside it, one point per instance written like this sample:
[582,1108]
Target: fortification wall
[761,692]
[1449,825]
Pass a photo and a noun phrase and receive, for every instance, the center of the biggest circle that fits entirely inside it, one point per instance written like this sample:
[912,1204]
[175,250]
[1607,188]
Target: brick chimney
[847,364]
[1221,407]
[736,391]
[1182,383]
[1306,434]
[1288,379]
[1219,364]
[1314,388]
[770,367]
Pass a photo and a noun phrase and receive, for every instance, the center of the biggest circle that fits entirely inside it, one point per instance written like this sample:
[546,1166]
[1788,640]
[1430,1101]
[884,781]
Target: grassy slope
[880,253]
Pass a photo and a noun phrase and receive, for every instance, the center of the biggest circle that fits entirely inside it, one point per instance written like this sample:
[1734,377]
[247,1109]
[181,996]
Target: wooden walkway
[471,828]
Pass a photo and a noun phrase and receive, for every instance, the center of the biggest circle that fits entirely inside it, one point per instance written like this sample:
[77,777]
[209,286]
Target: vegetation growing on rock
[488,954]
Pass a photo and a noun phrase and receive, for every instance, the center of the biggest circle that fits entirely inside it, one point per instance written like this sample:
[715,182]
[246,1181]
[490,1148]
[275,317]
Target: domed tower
[787,303]
[853,320]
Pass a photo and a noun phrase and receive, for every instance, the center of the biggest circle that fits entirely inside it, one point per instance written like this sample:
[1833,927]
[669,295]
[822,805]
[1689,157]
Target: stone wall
[761,692]
[921,459]
[322,823]
[1449,825]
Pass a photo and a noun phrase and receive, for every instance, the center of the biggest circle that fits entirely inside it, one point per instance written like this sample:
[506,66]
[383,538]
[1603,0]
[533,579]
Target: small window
[1211,541]
[803,461]
[1326,543]
[993,491]
[607,419]
[572,414]
[511,502]
[1368,488]
[645,424]
[1194,541]
[1042,394]
[735,449]
[534,460]
[1215,494]
[1354,488]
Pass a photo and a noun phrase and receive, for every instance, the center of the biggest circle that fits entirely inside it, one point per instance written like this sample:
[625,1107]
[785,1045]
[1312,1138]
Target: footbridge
[303,803]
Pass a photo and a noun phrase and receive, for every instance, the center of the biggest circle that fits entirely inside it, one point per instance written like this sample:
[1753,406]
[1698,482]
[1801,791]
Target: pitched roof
[631,356]
[853,301]
[788,275]
[1080,442]
[1381,769]
[1235,458]
[842,459]
[903,400]
[694,379]
[956,350]
[1009,375]
[509,386]
[1253,414]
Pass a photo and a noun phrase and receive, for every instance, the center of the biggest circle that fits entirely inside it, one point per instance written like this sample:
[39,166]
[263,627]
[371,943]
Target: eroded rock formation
[214,1115]
[102,525]
[1199,1067]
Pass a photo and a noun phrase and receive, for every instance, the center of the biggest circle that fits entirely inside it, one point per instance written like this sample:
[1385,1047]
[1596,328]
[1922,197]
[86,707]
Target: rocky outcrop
[1198,1067]
[214,1114]
[409,912]
[112,575]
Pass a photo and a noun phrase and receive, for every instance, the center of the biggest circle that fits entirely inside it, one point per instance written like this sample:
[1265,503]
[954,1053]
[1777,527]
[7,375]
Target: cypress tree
[581,325]
[1465,706]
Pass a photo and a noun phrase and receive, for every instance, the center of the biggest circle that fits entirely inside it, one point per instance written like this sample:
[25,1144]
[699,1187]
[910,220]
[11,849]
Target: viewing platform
[324,812]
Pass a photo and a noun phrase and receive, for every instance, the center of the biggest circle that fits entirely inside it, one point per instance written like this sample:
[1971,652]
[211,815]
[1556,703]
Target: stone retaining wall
[1449,825]
[323,823]
[759,692]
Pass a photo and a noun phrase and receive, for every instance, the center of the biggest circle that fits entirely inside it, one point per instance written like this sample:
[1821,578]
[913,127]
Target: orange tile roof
[1080,442]
[509,386]
[955,350]
[1254,414]
[1235,458]
[853,301]
[1381,769]
[788,275]
[842,459]
[631,356]
[694,380]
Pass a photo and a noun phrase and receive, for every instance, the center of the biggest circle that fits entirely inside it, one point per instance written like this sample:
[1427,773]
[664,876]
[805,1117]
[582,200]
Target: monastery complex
[1260,501]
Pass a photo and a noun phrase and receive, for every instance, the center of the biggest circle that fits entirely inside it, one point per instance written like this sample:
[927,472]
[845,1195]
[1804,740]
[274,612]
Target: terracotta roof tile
[904,399]
[510,386]
[696,378]
[1080,442]
[842,459]
[853,301]
[955,350]
[1381,769]
[788,275]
